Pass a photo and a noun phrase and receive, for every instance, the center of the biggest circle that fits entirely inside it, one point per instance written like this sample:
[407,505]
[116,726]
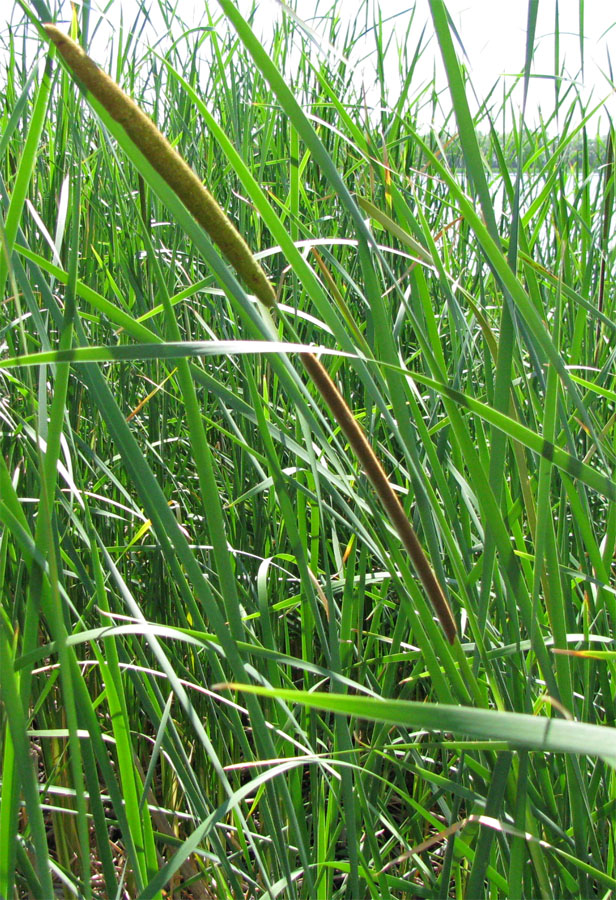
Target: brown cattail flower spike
[167,162]
[197,199]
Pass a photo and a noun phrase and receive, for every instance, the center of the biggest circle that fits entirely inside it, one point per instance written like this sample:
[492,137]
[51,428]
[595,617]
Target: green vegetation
[581,149]
[220,675]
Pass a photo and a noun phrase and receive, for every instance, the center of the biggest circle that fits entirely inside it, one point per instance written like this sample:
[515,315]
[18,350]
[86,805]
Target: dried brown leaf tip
[167,162]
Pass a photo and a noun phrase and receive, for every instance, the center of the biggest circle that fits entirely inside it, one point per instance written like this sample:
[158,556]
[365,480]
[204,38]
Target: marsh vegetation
[220,675]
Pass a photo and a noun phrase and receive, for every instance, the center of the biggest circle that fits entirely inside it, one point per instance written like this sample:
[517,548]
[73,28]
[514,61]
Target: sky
[493,35]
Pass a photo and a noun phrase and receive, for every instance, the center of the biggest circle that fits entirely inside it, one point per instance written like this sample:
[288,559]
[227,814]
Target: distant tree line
[535,151]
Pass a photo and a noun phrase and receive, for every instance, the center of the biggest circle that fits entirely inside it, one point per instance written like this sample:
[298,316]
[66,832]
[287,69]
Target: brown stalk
[197,199]
[375,472]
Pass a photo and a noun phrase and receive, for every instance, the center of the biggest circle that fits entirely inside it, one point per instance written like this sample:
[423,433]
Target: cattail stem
[197,199]
[376,474]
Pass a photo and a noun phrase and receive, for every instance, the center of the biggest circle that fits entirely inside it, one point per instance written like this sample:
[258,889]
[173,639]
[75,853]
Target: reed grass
[219,674]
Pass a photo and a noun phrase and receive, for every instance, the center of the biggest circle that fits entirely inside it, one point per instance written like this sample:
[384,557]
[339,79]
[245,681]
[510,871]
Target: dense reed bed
[220,674]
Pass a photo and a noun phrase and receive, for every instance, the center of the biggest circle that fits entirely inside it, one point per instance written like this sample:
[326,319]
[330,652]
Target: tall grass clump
[307,515]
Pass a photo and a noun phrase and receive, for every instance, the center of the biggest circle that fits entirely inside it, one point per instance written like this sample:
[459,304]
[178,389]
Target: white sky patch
[492,32]
[493,37]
